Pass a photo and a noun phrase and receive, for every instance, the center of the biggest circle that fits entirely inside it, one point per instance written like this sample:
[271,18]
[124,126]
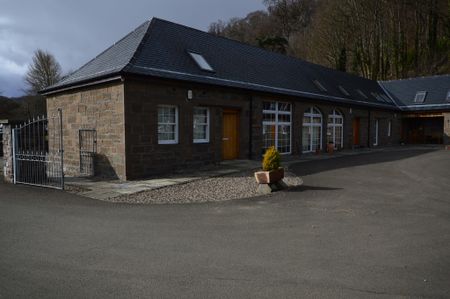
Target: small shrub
[271,160]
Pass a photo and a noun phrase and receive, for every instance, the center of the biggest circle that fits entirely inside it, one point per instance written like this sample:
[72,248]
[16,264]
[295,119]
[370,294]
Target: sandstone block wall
[100,108]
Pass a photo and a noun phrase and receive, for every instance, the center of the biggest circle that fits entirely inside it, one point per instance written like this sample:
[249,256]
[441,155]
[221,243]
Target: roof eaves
[144,39]
[424,107]
[80,84]
[253,86]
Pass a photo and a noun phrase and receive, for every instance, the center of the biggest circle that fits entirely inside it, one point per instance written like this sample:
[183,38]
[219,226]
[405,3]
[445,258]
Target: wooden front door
[356,124]
[230,134]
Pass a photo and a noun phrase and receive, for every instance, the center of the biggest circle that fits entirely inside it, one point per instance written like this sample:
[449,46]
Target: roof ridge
[101,53]
[389,95]
[415,78]
[141,43]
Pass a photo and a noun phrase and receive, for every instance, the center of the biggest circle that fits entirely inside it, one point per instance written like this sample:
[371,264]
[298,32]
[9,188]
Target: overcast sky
[76,31]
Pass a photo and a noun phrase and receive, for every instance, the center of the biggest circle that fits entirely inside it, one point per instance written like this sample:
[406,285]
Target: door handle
[225,139]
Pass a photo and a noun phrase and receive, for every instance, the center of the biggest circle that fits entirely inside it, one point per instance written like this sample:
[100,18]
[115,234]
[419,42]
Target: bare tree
[292,15]
[255,26]
[42,72]
[383,39]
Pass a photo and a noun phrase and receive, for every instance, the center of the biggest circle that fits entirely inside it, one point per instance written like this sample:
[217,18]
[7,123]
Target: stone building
[425,106]
[167,96]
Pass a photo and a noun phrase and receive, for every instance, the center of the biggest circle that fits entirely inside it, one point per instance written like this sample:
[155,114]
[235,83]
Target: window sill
[167,142]
[200,141]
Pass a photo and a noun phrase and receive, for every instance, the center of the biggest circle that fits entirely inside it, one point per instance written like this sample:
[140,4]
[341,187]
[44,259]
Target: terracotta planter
[269,177]
[330,148]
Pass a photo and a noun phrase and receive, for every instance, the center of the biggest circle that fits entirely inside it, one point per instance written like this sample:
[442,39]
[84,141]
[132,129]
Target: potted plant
[330,147]
[271,173]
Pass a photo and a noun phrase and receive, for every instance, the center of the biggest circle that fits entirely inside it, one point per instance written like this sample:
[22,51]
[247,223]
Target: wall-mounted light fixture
[350,110]
[189,95]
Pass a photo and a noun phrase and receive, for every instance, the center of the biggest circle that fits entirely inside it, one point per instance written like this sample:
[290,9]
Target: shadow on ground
[316,166]
[312,188]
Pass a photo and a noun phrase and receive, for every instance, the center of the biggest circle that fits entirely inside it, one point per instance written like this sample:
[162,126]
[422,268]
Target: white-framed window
[277,126]
[389,128]
[335,132]
[167,124]
[375,143]
[312,130]
[201,125]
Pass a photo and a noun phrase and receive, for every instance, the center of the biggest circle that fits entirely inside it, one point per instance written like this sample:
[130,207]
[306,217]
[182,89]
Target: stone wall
[100,108]
[299,106]
[8,171]
[446,128]
[124,114]
[383,118]
[145,157]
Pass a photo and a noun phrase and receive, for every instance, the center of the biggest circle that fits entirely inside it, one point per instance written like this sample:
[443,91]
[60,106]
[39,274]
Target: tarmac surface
[361,226]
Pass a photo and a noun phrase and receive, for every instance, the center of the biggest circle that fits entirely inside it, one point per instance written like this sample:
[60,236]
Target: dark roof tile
[404,92]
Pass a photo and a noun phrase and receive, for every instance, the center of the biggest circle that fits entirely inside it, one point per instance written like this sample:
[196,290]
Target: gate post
[61,146]
[8,154]
[14,149]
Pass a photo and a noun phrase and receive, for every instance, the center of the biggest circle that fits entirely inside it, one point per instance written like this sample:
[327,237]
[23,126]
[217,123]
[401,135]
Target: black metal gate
[88,148]
[38,152]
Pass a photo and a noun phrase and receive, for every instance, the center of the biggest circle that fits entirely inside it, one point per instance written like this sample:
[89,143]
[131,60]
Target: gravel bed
[234,186]
[75,189]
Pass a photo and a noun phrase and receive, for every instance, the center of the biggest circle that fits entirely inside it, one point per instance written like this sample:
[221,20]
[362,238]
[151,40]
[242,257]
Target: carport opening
[423,130]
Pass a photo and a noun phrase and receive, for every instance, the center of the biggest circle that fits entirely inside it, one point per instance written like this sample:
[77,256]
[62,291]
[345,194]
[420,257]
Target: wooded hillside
[22,108]
[383,39]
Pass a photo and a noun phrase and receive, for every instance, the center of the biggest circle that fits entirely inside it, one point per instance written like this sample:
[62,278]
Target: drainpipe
[368,128]
[250,131]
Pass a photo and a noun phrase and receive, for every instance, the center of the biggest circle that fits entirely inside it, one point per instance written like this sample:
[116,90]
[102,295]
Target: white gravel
[233,186]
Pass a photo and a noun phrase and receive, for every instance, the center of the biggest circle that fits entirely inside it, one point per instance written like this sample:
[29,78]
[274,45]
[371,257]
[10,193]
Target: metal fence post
[13,143]
[61,146]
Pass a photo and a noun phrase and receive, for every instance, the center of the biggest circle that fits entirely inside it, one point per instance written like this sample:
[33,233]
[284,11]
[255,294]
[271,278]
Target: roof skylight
[319,85]
[201,62]
[343,90]
[377,96]
[386,98]
[420,97]
[362,94]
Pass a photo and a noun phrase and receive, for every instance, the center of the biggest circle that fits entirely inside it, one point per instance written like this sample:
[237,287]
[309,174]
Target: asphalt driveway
[373,225]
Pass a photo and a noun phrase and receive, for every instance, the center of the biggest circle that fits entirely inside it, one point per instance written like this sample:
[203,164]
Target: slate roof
[160,48]
[404,92]
[109,62]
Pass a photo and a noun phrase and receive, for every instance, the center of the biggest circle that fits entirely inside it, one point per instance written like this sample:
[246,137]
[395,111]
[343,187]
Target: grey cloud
[76,31]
